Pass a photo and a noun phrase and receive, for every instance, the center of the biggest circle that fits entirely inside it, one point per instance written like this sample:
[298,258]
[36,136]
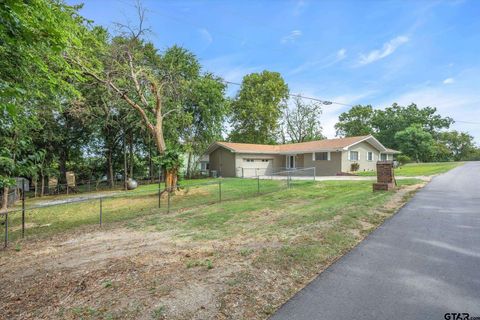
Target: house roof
[311,146]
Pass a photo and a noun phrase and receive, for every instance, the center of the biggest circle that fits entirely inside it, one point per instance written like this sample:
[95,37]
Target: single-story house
[328,157]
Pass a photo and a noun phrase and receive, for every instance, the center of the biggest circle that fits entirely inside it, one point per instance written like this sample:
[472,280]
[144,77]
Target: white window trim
[373,156]
[328,156]
[350,155]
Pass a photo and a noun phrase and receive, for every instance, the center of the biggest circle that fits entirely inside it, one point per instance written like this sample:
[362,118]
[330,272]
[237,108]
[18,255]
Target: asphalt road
[420,264]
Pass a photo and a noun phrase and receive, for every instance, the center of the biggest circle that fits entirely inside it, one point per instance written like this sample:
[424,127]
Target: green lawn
[121,205]
[197,216]
[419,169]
[275,241]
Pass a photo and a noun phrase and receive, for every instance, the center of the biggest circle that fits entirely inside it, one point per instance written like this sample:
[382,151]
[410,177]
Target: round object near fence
[131,184]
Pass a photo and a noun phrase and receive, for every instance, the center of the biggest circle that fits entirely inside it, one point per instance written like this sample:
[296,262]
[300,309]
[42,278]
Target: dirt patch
[118,273]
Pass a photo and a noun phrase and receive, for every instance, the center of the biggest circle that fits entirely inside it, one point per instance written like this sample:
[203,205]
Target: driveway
[422,263]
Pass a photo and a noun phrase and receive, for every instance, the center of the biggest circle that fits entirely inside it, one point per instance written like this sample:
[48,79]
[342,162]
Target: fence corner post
[23,207]
[258,184]
[169,190]
[6,229]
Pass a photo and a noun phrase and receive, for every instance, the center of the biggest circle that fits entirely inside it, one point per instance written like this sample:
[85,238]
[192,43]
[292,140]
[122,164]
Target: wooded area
[74,97]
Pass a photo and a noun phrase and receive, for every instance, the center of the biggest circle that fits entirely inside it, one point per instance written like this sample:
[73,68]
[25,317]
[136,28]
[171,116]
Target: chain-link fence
[36,218]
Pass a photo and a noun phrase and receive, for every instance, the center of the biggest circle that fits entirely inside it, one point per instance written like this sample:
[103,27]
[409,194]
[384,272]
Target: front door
[290,162]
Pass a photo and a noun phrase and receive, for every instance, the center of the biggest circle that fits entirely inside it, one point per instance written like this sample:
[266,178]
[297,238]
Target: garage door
[255,167]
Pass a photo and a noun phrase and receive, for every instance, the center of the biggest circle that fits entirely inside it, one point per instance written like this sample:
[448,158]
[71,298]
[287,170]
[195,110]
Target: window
[370,156]
[354,155]
[383,157]
[248,160]
[319,156]
[265,160]
[290,162]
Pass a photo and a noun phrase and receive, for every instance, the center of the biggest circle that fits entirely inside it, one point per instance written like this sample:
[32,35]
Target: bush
[403,159]
[354,167]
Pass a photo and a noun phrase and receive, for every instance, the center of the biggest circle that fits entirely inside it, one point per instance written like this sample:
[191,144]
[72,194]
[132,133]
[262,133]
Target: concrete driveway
[422,263]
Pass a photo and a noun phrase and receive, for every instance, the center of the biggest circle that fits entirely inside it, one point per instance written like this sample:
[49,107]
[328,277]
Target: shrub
[403,159]
[354,167]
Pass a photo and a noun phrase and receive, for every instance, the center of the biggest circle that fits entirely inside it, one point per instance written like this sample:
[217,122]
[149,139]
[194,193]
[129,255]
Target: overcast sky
[354,52]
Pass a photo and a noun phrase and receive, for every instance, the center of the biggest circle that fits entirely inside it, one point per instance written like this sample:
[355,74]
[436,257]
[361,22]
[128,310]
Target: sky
[351,52]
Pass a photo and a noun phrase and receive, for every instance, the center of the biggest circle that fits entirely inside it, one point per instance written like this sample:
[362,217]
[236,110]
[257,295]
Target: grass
[120,206]
[419,169]
[277,240]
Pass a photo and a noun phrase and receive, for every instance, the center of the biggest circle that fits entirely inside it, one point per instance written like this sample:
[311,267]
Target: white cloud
[322,63]
[206,36]
[387,49]
[341,54]
[291,37]
[299,8]
[448,81]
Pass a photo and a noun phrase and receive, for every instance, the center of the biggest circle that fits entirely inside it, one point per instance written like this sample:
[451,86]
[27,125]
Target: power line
[329,102]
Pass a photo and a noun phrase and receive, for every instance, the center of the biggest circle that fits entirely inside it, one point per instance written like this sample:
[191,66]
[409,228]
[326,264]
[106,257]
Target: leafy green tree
[355,122]
[258,107]
[386,123]
[416,143]
[302,123]
[460,144]
[35,37]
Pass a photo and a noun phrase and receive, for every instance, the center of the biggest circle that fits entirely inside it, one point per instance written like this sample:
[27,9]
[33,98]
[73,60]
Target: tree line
[421,134]
[75,97]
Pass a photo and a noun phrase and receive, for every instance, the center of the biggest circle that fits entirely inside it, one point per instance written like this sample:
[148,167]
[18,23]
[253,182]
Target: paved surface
[339,178]
[421,264]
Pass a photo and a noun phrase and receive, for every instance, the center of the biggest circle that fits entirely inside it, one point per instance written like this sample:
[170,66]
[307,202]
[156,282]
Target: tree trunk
[4,200]
[42,192]
[63,168]
[36,186]
[110,176]
[171,179]
[189,163]
[150,159]
[131,155]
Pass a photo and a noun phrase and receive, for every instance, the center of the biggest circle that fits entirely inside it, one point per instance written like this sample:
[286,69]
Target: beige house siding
[223,161]
[365,165]
[324,167]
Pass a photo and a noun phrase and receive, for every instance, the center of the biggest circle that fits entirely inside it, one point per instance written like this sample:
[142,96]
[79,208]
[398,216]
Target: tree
[460,144]
[207,107]
[386,123]
[355,122]
[302,123]
[416,143]
[258,107]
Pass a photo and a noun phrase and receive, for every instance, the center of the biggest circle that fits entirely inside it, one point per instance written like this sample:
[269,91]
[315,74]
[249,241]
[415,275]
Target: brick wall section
[385,176]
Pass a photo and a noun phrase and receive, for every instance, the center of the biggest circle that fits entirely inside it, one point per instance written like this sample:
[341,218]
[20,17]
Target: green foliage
[416,143]
[459,144]
[258,107]
[403,159]
[354,167]
[355,122]
[171,160]
[302,123]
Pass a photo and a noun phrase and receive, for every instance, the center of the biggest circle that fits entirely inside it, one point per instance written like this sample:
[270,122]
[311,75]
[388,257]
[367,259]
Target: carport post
[101,212]
[23,207]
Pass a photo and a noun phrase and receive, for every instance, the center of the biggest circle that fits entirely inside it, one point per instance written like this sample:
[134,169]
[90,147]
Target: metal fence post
[101,213]
[159,187]
[219,190]
[258,184]
[314,173]
[23,207]
[6,229]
